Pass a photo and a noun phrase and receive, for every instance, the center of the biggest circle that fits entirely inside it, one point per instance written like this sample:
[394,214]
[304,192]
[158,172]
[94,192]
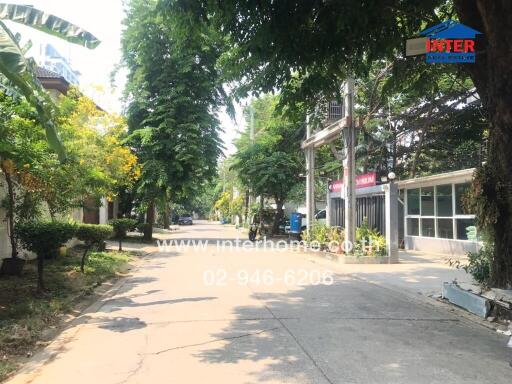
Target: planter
[12,266]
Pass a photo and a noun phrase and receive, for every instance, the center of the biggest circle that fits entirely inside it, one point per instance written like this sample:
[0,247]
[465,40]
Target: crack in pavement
[213,341]
[140,363]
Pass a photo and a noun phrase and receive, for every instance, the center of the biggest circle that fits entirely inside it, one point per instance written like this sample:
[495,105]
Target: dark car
[185,220]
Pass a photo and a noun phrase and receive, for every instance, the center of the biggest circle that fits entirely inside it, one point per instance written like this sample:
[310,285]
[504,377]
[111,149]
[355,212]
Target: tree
[97,163]
[173,94]
[331,40]
[271,163]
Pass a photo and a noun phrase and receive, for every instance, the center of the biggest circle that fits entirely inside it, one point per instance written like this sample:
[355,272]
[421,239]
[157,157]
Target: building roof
[52,80]
[463,175]
[46,73]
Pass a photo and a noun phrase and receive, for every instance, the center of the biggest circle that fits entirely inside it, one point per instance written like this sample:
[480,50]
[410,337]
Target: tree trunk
[120,244]
[262,207]
[492,77]
[150,220]
[167,213]
[84,257]
[278,216]
[10,210]
[246,210]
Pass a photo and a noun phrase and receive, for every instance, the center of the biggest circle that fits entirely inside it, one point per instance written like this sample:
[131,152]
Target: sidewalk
[417,272]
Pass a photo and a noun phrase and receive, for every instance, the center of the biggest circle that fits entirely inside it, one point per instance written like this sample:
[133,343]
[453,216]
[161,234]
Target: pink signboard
[362,181]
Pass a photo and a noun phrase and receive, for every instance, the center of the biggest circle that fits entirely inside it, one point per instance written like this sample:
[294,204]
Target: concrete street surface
[213,315]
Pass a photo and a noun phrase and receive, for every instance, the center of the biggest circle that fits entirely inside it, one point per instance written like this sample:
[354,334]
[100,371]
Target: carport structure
[340,122]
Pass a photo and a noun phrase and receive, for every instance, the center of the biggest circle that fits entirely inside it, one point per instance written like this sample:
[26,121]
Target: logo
[448,42]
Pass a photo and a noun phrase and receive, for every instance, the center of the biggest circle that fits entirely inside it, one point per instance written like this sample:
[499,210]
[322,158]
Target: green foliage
[270,163]
[369,242]
[122,226]
[478,264]
[21,72]
[174,92]
[93,234]
[224,204]
[45,237]
[320,233]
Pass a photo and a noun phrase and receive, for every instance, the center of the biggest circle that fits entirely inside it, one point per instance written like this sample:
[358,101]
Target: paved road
[166,324]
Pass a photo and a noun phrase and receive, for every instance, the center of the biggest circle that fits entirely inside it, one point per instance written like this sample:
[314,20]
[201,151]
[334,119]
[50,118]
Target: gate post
[391,201]
[310,179]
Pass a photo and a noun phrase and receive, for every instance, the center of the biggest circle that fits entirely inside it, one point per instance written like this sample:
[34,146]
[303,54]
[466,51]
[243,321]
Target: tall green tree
[271,163]
[173,95]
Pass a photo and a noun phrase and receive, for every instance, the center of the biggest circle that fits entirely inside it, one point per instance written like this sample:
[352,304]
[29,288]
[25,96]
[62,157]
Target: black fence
[371,207]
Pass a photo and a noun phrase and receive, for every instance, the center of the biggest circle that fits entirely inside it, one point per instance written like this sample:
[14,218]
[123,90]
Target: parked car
[185,220]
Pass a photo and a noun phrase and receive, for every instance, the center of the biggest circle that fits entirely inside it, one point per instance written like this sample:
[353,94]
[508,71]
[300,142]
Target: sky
[103,18]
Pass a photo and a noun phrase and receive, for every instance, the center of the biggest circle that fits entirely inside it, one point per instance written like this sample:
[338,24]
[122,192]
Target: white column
[328,208]
[349,137]
[391,201]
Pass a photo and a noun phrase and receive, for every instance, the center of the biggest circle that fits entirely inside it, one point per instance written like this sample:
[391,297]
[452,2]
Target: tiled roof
[46,73]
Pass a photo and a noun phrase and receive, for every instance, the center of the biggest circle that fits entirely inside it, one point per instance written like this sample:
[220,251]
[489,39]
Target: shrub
[121,227]
[92,235]
[479,264]
[44,238]
[369,242]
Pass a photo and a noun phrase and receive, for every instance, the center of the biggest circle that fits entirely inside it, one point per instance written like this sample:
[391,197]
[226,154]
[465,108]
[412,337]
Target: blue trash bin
[295,222]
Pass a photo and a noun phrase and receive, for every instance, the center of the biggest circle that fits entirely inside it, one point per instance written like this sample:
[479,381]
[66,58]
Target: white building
[434,217]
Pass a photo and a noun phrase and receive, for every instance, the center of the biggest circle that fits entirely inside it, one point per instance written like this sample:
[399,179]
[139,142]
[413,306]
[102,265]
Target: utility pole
[349,174]
[310,179]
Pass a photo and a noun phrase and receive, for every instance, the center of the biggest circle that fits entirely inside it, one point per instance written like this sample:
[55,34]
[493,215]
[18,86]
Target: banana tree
[21,71]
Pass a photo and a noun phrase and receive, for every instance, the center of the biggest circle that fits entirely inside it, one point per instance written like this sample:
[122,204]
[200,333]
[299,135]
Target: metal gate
[371,207]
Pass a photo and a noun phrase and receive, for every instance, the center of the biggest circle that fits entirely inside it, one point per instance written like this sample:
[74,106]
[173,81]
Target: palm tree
[21,71]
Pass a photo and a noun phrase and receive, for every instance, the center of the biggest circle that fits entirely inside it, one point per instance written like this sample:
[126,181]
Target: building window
[428,227]
[427,201]
[413,201]
[445,228]
[444,200]
[438,212]
[413,227]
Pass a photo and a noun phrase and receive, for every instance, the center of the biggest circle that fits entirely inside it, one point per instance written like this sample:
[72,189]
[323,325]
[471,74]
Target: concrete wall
[443,246]
[5,249]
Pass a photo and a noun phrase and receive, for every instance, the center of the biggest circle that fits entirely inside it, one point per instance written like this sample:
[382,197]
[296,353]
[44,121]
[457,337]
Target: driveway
[211,314]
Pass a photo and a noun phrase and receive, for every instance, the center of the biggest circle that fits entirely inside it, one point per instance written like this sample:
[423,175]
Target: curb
[70,328]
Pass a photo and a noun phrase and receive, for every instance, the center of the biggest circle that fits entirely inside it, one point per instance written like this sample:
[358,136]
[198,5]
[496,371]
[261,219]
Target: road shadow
[120,303]
[356,332]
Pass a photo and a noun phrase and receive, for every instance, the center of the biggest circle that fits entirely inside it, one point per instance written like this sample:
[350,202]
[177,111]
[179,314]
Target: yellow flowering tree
[98,163]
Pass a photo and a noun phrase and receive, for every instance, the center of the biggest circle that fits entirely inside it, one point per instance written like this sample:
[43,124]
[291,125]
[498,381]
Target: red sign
[362,181]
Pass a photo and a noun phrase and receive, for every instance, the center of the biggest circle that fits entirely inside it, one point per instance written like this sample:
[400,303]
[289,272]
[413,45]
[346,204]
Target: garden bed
[347,259]
[28,320]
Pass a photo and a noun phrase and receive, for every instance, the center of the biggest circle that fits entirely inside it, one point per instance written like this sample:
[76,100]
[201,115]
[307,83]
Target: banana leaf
[53,25]
[21,72]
